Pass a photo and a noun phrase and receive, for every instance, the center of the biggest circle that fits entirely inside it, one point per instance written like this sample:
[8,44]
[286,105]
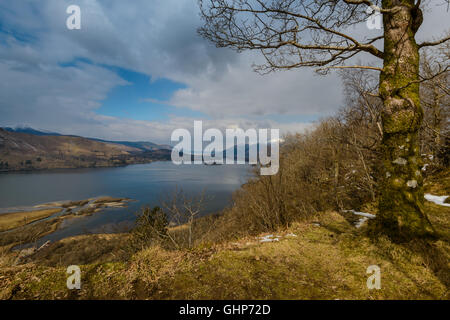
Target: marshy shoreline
[23,228]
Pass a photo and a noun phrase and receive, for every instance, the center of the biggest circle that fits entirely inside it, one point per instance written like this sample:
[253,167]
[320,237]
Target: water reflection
[147,183]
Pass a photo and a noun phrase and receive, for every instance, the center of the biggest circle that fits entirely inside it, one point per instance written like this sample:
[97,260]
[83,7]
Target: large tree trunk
[401,213]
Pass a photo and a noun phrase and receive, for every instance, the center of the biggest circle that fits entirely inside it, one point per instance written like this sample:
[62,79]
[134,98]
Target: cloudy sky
[137,70]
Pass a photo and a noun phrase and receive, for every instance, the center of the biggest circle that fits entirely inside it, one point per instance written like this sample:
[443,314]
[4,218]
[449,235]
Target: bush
[151,228]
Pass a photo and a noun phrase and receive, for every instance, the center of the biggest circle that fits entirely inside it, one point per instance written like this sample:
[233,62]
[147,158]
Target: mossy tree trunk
[401,213]
[291,36]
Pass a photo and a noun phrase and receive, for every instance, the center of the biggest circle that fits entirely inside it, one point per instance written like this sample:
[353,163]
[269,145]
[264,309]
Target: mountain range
[142,145]
[25,148]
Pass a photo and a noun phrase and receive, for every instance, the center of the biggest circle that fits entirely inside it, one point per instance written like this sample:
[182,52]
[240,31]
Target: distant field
[16,219]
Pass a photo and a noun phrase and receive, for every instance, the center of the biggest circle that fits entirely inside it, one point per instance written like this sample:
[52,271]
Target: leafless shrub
[174,225]
[183,210]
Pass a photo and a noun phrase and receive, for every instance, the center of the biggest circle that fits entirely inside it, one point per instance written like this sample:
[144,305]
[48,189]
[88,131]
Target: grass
[325,257]
[326,262]
[80,203]
[30,233]
[438,184]
[104,200]
[322,262]
[84,249]
[13,220]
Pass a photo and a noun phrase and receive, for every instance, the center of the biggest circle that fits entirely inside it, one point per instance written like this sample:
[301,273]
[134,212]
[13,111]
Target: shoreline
[36,170]
[31,232]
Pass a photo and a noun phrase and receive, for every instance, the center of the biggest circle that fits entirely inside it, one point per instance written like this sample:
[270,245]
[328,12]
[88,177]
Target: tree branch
[290,34]
[372,5]
[434,43]
[352,67]
[423,79]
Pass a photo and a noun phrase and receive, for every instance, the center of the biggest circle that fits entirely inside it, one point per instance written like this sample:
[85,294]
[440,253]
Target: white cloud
[157,38]
[240,91]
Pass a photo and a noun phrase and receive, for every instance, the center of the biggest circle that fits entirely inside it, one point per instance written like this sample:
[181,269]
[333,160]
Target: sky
[137,70]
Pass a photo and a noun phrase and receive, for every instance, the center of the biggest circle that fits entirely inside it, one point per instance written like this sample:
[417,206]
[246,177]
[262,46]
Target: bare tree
[183,210]
[315,33]
[435,97]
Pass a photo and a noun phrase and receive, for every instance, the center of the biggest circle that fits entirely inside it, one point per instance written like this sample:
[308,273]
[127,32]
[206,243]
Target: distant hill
[30,149]
[142,145]
[31,131]
[234,152]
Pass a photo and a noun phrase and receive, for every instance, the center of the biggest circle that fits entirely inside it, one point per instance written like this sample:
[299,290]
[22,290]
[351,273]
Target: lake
[148,184]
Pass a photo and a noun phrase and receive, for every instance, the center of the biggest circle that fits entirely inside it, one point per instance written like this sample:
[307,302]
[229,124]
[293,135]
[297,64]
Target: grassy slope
[16,219]
[322,262]
[47,152]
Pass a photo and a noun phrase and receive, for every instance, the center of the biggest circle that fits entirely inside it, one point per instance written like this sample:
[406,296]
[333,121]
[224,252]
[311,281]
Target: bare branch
[423,79]
[289,33]
[372,5]
[352,67]
[434,43]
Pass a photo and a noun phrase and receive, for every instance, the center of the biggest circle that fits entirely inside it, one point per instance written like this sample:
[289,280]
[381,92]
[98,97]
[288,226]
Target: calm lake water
[146,183]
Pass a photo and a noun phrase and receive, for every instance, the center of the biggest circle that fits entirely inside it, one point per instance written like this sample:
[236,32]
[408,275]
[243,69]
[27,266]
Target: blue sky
[144,98]
[138,70]
[139,98]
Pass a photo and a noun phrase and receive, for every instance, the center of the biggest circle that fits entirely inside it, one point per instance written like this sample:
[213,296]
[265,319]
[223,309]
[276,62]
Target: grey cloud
[53,96]
[244,92]
[153,37]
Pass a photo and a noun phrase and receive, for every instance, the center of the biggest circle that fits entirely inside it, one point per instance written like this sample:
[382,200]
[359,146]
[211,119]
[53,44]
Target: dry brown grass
[83,249]
[30,233]
[325,261]
[13,220]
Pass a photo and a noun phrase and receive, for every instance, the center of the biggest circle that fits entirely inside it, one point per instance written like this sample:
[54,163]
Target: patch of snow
[364,214]
[439,200]
[291,235]
[400,161]
[269,238]
[360,222]
[429,156]
[412,184]
[30,146]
